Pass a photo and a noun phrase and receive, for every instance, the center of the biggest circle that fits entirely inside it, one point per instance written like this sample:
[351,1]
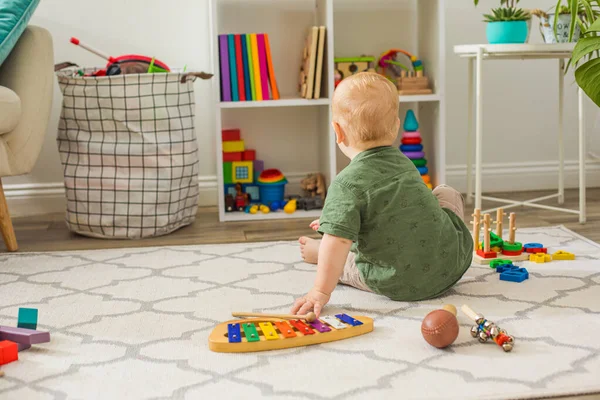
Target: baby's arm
[333,253]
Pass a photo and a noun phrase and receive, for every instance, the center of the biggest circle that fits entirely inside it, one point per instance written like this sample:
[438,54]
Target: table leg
[470,133]
[561,146]
[478,127]
[582,210]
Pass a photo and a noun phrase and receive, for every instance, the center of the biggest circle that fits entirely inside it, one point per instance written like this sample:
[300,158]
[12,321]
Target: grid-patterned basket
[129,152]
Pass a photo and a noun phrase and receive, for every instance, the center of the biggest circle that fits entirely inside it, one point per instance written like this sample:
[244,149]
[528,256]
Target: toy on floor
[408,82]
[563,255]
[493,244]
[440,327]
[24,338]
[412,148]
[127,64]
[485,330]
[264,333]
[27,318]
[308,317]
[347,66]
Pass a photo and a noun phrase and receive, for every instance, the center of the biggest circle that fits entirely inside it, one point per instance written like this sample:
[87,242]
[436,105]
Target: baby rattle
[485,330]
[440,327]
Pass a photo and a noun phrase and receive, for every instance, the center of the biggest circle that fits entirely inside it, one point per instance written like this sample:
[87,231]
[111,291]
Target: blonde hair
[366,105]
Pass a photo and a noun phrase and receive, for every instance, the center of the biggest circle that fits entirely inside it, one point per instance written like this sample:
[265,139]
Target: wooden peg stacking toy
[261,334]
[412,148]
[493,245]
[440,327]
[484,330]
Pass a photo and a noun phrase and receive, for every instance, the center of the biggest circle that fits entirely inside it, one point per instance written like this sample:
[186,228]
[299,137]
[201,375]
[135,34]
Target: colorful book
[319,69]
[247,85]
[274,88]
[256,66]
[224,56]
[262,58]
[233,69]
[251,66]
[240,68]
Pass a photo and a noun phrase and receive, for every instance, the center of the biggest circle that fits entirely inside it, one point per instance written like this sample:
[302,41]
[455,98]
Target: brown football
[440,328]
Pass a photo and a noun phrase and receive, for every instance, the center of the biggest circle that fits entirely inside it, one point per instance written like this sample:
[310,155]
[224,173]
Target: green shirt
[407,247]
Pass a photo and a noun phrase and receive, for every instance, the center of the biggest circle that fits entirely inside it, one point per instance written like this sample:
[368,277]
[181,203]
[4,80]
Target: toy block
[23,336]
[227,172]
[489,254]
[498,262]
[242,172]
[27,318]
[259,166]
[527,246]
[512,253]
[233,146]
[496,249]
[230,135]
[8,352]
[517,275]
[506,267]
[231,157]
[516,246]
[563,255]
[230,189]
[535,250]
[248,155]
[540,258]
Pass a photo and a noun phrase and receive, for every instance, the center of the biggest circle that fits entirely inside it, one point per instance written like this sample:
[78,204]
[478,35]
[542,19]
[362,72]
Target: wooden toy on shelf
[314,185]
[493,245]
[263,333]
[311,70]
[409,81]
[484,330]
[347,66]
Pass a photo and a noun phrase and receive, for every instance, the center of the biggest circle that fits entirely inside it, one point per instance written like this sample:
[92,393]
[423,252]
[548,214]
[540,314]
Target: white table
[476,54]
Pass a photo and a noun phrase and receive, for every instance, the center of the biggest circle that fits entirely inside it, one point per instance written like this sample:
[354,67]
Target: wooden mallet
[310,317]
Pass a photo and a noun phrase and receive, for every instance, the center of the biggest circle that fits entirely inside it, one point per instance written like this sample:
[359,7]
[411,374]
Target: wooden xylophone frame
[219,342]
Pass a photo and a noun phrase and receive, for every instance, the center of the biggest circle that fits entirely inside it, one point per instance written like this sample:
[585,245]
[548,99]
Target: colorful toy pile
[13,340]
[412,148]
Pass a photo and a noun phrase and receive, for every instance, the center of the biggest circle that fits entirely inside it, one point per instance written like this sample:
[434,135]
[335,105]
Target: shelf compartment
[242,216]
[287,102]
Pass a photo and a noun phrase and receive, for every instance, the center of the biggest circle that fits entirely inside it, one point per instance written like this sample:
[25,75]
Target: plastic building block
[8,352]
[563,255]
[498,262]
[230,135]
[233,146]
[230,157]
[535,250]
[242,172]
[227,173]
[23,336]
[515,275]
[249,155]
[540,258]
[489,254]
[410,122]
[28,318]
[506,267]
[254,192]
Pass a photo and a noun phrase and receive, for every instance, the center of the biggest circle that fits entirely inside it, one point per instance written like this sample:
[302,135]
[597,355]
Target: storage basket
[129,152]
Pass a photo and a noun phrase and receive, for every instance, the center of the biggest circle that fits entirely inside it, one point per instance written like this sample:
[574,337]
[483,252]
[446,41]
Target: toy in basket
[280,331]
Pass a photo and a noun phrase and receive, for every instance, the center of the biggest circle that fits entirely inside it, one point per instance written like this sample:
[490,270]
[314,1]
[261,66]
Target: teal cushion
[14,16]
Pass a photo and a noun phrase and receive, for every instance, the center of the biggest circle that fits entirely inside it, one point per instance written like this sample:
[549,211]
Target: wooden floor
[49,232]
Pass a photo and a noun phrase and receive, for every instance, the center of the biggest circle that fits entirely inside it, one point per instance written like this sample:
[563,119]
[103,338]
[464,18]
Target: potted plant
[587,74]
[574,17]
[507,23]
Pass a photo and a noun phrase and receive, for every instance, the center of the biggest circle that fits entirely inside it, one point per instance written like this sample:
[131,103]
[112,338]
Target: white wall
[520,97]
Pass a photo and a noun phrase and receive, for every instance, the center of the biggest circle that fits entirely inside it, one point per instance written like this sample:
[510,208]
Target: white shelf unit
[293,134]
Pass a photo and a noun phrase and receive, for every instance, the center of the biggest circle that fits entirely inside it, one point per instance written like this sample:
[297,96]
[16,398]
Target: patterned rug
[133,324]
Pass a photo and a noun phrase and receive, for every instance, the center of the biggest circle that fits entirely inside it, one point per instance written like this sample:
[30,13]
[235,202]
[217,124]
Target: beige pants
[448,197]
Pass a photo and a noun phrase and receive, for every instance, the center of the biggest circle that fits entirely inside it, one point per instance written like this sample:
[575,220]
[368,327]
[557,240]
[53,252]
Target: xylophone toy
[485,329]
[280,331]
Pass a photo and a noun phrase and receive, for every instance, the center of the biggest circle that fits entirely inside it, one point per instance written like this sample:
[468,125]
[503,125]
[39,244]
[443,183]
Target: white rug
[133,324]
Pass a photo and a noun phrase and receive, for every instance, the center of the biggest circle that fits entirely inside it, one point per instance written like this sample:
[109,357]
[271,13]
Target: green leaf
[587,79]
[595,27]
[574,11]
[584,47]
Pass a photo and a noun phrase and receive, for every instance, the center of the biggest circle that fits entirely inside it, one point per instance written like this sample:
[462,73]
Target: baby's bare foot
[309,248]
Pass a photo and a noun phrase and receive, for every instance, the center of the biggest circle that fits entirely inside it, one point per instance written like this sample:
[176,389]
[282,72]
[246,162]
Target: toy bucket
[271,192]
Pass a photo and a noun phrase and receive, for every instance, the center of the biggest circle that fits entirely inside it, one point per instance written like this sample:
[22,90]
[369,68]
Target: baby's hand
[314,300]
[315,225]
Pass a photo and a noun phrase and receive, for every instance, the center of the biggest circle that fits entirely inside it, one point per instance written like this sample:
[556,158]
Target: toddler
[383,230]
